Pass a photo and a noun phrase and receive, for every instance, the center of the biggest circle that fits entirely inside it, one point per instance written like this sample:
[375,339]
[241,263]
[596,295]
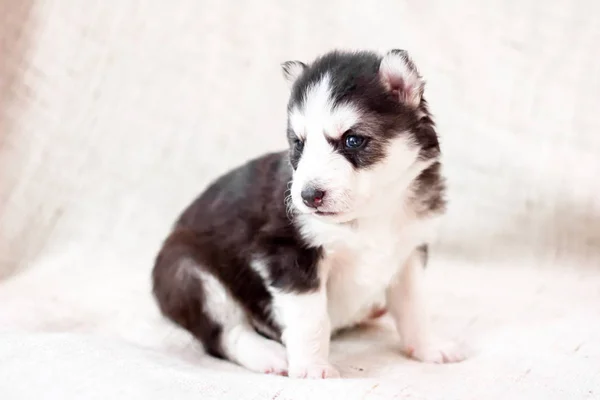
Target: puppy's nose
[312,196]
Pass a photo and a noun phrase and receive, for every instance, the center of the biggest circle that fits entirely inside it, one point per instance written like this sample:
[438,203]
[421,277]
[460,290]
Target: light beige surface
[114,115]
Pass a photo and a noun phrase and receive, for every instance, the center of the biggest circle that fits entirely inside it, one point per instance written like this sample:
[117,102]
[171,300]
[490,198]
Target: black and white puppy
[283,251]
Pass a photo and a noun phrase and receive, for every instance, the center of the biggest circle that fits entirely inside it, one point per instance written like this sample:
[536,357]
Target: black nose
[312,197]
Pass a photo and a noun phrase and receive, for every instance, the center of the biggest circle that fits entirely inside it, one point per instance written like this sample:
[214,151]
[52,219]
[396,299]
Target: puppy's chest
[360,264]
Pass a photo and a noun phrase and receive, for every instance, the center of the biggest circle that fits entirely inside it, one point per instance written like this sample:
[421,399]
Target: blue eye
[298,143]
[353,141]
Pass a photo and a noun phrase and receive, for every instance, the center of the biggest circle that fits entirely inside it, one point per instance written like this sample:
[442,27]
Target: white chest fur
[361,259]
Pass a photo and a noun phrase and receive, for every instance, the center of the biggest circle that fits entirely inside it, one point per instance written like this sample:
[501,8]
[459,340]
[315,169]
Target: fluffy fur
[285,250]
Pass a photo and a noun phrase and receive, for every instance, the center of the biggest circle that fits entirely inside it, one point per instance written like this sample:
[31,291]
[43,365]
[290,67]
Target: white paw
[314,371]
[267,357]
[275,361]
[436,352]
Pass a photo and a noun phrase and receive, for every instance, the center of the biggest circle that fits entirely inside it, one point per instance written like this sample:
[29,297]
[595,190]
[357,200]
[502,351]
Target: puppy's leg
[306,333]
[192,297]
[238,340]
[407,305]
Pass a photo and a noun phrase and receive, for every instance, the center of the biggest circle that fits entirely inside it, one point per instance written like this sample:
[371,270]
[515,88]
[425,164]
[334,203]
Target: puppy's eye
[298,143]
[352,141]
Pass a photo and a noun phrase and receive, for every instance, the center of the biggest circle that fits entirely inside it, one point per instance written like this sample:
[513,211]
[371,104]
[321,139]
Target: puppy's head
[358,130]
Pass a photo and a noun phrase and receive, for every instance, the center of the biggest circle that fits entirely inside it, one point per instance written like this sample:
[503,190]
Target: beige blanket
[114,115]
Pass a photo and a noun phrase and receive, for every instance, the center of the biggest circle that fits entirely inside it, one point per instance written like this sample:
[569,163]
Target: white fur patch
[362,259]
[260,267]
[218,304]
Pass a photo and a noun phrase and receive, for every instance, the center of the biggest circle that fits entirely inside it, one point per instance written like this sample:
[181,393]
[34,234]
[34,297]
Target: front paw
[436,352]
[313,371]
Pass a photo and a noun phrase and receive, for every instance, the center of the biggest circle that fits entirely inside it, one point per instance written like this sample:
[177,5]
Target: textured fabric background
[114,115]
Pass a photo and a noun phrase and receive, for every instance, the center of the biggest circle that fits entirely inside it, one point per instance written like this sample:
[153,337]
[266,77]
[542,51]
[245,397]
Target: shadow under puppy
[283,251]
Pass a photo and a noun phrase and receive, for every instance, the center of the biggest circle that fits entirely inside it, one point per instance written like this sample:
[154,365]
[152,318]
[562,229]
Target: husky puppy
[281,252]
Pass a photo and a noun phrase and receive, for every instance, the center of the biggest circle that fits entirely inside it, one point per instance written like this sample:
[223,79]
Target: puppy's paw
[274,364]
[436,352]
[268,357]
[313,371]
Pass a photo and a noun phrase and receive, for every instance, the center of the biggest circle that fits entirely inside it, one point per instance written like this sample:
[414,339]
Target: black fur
[424,253]
[429,191]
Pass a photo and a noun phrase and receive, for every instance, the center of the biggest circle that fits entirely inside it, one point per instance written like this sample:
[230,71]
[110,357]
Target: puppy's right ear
[292,70]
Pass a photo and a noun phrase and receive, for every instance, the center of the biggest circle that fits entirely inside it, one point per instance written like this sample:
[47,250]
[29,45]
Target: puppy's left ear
[401,77]
[292,70]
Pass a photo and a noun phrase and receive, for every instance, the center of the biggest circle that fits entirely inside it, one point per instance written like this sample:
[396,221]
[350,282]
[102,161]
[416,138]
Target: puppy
[285,250]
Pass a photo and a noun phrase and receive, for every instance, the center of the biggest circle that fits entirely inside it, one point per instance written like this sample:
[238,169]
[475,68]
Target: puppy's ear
[401,77]
[292,70]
